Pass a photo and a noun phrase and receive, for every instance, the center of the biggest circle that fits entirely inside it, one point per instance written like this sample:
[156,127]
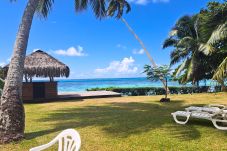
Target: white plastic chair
[68,140]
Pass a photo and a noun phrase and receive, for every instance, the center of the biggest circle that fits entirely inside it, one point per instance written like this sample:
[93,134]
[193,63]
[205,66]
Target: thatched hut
[40,64]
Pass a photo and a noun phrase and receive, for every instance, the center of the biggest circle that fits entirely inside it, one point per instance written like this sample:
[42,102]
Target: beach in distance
[80,85]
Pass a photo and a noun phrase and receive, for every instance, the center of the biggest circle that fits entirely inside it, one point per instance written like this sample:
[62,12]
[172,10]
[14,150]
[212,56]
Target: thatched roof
[41,64]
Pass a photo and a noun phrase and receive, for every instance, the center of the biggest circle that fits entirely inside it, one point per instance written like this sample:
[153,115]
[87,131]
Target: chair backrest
[68,140]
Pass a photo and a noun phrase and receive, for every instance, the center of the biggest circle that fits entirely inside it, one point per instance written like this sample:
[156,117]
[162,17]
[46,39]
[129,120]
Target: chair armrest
[45,146]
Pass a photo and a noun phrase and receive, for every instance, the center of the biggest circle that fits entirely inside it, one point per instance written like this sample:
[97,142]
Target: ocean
[79,85]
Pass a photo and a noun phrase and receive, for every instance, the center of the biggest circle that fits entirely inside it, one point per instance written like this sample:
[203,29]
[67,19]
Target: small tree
[159,73]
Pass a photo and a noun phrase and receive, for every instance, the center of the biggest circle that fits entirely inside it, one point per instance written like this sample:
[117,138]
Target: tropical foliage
[214,28]
[101,9]
[199,45]
[158,73]
[184,37]
[148,91]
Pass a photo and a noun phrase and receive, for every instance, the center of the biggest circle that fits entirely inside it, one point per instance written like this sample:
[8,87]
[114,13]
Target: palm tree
[185,38]
[12,116]
[214,31]
[200,44]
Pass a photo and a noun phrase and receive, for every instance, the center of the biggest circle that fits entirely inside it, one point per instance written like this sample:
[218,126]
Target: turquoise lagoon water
[79,85]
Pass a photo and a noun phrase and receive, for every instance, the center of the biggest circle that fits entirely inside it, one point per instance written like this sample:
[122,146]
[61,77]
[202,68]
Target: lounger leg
[180,122]
[220,121]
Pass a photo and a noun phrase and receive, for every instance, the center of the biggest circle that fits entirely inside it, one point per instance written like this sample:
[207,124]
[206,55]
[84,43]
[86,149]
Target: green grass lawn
[126,123]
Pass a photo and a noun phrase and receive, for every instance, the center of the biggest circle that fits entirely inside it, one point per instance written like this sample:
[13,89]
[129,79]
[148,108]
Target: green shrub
[1,86]
[1,83]
[155,90]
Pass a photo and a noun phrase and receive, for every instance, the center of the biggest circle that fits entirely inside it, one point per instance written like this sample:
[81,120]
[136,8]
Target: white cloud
[121,46]
[2,64]
[8,60]
[72,51]
[138,52]
[145,2]
[118,68]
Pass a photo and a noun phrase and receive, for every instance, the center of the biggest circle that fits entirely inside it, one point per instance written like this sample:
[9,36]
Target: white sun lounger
[213,113]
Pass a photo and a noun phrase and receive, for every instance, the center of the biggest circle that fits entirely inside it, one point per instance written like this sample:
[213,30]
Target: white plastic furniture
[212,108]
[68,140]
[215,113]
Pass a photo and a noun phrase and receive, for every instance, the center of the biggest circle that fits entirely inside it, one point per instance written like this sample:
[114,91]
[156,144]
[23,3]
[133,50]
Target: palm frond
[186,42]
[190,69]
[206,48]
[219,34]
[185,26]
[173,32]
[98,7]
[181,67]
[183,78]
[175,56]
[221,72]
[44,8]
[117,7]
[178,54]
[81,5]
[169,42]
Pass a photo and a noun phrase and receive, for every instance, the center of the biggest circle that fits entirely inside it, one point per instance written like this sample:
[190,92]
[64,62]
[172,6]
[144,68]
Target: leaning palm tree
[12,117]
[121,4]
[146,51]
[140,42]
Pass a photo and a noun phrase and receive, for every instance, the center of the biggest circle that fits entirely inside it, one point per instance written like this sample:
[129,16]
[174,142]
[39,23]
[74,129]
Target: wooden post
[26,78]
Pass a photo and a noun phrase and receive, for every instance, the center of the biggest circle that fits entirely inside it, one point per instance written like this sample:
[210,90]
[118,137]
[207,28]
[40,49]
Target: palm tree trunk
[223,86]
[12,117]
[145,49]
[166,88]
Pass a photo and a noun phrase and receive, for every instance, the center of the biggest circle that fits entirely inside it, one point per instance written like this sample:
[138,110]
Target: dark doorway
[38,90]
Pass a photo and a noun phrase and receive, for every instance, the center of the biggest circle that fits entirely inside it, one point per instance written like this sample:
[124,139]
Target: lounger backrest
[68,140]
[204,109]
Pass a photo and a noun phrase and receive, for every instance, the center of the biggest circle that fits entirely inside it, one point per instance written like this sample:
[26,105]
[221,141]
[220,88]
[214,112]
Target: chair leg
[180,122]
[214,121]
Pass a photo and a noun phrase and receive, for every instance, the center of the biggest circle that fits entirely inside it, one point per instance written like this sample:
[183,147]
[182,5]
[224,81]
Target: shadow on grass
[121,119]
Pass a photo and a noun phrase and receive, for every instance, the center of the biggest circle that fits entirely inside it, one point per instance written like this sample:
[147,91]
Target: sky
[94,48]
